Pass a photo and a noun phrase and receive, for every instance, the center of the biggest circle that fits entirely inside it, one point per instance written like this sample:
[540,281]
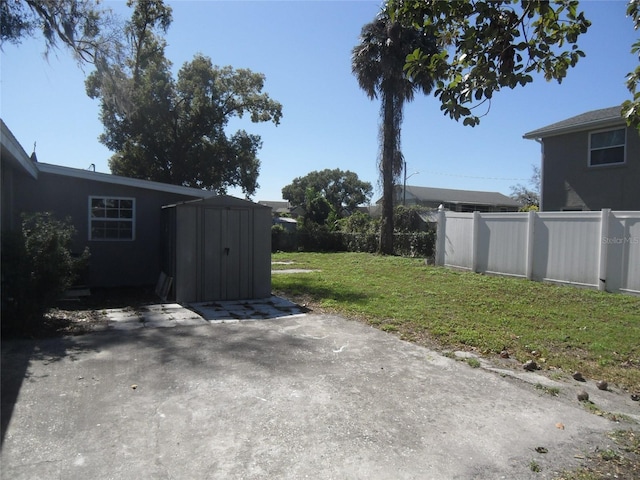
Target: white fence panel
[595,249]
[502,243]
[622,241]
[567,247]
[459,238]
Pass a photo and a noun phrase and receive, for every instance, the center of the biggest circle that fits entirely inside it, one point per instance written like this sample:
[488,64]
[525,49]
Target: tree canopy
[489,45]
[631,108]
[173,130]
[343,190]
[81,25]
[528,195]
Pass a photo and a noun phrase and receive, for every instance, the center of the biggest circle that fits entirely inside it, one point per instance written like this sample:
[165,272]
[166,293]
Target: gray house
[455,200]
[589,162]
[118,218]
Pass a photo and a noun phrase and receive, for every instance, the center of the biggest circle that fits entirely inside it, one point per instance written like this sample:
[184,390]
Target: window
[111,218]
[607,148]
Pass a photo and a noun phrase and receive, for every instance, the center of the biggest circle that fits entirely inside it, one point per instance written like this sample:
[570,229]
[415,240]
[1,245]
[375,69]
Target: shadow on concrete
[208,348]
[15,358]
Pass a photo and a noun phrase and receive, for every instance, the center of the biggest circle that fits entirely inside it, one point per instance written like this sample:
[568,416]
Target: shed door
[227,256]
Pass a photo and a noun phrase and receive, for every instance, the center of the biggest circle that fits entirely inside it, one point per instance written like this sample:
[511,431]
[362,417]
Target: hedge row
[414,244]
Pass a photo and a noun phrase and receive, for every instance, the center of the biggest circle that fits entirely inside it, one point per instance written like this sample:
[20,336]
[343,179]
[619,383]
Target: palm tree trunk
[389,130]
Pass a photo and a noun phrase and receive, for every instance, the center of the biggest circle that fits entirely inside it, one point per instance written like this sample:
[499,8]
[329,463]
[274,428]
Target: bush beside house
[37,268]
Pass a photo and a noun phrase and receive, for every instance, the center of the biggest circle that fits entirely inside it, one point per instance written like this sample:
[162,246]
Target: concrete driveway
[308,396]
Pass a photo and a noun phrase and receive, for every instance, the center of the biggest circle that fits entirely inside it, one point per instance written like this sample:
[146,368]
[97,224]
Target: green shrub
[283,240]
[37,267]
[415,244]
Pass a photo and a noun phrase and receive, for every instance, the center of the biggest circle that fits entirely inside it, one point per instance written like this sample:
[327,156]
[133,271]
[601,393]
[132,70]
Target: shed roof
[220,201]
[603,117]
[447,195]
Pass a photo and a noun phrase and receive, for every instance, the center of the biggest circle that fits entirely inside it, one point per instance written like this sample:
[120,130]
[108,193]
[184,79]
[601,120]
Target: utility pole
[404,186]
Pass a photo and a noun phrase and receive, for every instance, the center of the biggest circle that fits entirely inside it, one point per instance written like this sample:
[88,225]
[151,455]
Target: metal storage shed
[218,248]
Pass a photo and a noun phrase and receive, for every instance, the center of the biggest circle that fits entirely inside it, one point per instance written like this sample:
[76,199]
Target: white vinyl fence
[594,249]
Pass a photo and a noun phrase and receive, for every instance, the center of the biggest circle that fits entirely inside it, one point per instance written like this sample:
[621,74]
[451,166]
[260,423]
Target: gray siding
[570,184]
[112,263]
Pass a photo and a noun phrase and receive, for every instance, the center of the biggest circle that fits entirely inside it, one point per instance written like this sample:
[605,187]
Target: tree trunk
[389,133]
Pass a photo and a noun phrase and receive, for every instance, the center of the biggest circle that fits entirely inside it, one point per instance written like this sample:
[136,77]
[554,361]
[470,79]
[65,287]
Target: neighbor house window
[111,218]
[607,148]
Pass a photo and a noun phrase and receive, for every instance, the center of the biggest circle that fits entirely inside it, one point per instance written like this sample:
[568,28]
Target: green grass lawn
[568,328]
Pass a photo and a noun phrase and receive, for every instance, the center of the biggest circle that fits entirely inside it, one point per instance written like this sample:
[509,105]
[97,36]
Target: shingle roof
[125,181]
[447,195]
[276,206]
[595,118]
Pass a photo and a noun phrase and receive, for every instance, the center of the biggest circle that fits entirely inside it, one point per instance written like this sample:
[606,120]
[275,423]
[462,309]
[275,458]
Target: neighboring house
[280,208]
[118,218]
[589,162]
[277,208]
[455,200]
[289,224]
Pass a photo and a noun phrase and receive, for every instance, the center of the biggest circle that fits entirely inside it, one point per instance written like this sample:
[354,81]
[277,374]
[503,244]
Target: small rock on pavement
[578,376]
[602,385]
[530,366]
[583,396]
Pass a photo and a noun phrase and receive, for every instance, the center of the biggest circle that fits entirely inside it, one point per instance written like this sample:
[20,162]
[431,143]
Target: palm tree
[378,64]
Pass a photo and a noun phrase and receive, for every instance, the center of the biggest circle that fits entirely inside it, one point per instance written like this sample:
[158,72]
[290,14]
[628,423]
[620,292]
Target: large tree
[489,45]
[631,108]
[528,195]
[82,25]
[378,64]
[343,190]
[173,130]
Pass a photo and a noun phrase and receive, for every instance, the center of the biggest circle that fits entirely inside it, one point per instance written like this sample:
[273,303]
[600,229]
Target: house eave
[16,152]
[552,132]
[124,181]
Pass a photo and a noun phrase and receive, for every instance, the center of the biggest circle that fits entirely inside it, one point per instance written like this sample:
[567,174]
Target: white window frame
[112,219]
[623,145]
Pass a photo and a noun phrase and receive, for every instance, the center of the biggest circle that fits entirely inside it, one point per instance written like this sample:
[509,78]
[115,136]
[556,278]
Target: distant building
[281,208]
[277,208]
[454,200]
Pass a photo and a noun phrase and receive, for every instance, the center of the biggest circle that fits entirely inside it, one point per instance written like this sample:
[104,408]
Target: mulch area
[84,314]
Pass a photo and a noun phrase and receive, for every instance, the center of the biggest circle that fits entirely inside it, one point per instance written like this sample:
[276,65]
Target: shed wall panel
[186,254]
[212,254]
[262,254]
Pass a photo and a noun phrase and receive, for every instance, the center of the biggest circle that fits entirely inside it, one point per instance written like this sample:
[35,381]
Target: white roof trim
[16,151]
[124,181]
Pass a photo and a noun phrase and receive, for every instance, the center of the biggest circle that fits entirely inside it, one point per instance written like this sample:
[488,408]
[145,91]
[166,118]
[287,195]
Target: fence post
[604,236]
[531,222]
[440,237]
[475,240]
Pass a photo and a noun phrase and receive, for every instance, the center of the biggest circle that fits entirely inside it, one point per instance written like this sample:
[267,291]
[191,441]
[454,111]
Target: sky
[304,50]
